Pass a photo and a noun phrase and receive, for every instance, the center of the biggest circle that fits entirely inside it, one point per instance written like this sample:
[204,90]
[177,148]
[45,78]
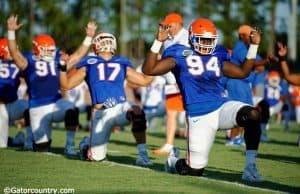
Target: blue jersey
[9,81]
[42,78]
[105,79]
[199,78]
[240,89]
[273,94]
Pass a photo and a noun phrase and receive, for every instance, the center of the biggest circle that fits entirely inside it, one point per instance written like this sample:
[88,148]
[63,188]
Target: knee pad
[248,116]
[264,108]
[183,169]
[88,110]
[41,147]
[26,117]
[72,117]
[138,119]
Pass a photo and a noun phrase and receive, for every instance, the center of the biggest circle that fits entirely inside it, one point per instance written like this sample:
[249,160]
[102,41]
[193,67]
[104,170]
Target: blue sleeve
[173,50]
[239,53]
[127,62]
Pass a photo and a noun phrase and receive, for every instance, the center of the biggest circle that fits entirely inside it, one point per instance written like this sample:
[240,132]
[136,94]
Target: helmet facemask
[44,47]
[204,44]
[104,42]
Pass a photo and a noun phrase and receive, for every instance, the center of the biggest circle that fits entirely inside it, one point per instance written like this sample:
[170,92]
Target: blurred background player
[177,34]
[153,100]
[11,108]
[241,89]
[80,96]
[41,72]
[276,94]
[105,74]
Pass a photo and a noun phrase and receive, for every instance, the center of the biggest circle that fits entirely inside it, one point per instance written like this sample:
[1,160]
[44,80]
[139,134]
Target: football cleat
[70,151]
[143,159]
[251,174]
[172,159]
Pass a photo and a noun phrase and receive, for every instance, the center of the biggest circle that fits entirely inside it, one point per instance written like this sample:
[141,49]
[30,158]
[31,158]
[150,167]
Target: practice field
[278,162]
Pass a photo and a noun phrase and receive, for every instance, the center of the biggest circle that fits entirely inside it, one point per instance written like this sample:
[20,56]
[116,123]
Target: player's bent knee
[247,116]
[183,169]
[72,117]
[264,109]
[138,119]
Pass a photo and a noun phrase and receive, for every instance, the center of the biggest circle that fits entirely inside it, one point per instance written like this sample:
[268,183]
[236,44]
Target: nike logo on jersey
[195,120]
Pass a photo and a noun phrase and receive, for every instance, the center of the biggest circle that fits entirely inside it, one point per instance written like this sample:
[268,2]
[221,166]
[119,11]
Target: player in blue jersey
[41,72]
[241,89]
[198,71]
[105,74]
[11,108]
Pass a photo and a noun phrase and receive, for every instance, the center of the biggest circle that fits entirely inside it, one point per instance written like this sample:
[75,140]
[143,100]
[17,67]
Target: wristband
[282,58]
[87,41]
[252,51]
[156,46]
[11,35]
[62,66]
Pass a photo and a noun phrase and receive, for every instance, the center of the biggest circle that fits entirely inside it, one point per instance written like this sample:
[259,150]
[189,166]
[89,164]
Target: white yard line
[205,178]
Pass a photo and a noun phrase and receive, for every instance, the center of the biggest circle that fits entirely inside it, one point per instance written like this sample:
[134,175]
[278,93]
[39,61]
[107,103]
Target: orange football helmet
[44,47]
[104,42]
[4,52]
[203,36]
[273,78]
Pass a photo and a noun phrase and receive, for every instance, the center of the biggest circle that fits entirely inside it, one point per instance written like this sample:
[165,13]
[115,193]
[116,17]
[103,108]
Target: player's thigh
[61,107]
[40,120]
[16,109]
[228,113]
[201,135]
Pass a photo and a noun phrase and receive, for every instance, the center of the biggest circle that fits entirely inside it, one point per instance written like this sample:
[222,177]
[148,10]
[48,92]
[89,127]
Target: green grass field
[278,162]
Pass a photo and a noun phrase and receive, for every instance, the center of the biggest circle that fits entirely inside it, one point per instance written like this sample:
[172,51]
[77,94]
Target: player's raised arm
[137,78]
[67,82]
[231,70]
[153,66]
[292,78]
[90,30]
[12,26]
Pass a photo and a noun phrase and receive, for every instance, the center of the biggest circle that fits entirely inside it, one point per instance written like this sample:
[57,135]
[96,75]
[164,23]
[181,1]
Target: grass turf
[278,161]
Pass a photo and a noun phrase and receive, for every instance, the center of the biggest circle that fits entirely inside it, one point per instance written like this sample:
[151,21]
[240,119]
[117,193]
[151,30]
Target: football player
[198,71]
[177,34]
[41,72]
[11,109]
[105,73]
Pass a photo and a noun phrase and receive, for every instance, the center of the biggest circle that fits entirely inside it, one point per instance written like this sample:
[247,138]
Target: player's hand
[90,29]
[163,33]
[255,36]
[282,50]
[12,23]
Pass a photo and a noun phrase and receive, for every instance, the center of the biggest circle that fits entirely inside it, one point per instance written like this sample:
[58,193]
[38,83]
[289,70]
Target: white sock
[250,157]
[167,147]
[70,138]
